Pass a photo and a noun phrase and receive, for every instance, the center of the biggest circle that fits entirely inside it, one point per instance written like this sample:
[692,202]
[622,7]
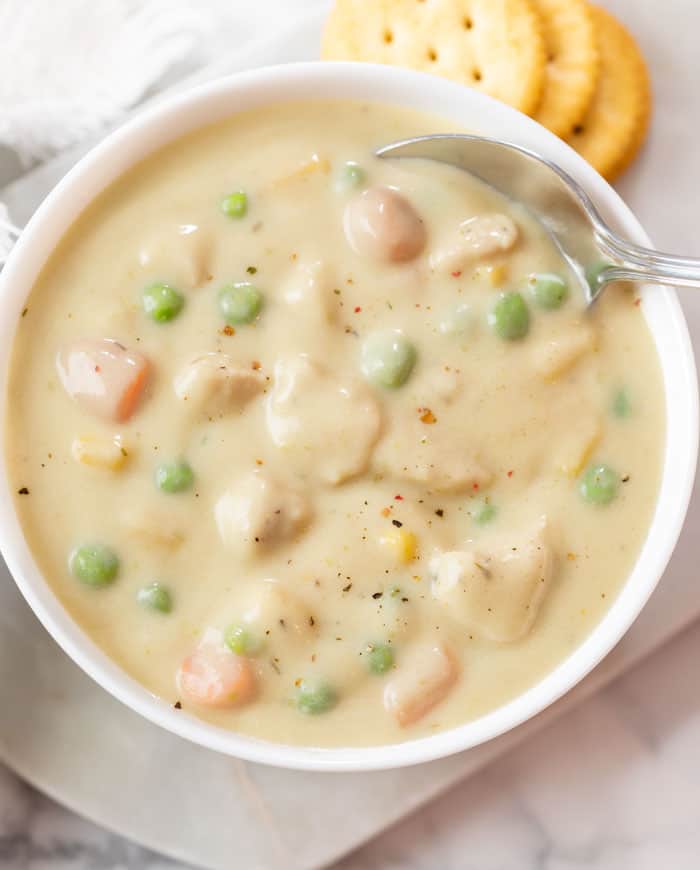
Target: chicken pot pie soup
[321,448]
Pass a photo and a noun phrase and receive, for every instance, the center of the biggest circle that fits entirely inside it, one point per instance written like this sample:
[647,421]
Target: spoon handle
[636,263]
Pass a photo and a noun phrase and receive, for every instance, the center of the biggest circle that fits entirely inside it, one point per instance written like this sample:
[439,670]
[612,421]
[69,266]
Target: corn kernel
[401,543]
[494,275]
[99,452]
[497,274]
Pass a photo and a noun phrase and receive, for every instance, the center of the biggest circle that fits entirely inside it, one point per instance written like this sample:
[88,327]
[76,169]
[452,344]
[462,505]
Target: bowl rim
[175,116]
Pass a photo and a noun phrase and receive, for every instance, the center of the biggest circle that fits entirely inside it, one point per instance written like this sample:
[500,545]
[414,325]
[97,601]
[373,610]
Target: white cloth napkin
[69,68]
[9,233]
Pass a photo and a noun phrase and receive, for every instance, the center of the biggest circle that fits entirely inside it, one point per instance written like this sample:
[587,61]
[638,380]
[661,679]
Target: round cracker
[572,63]
[495,46]
[616,123]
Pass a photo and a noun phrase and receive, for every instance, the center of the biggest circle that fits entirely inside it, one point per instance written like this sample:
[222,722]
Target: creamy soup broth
[394,499]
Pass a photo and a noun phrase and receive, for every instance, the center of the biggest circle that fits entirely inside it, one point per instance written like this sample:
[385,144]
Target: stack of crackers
[567,63]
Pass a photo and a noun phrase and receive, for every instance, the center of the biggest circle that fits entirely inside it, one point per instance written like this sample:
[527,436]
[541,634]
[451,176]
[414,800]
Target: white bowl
[470,109]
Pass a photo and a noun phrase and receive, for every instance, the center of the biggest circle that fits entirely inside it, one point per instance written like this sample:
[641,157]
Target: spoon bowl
[597,255]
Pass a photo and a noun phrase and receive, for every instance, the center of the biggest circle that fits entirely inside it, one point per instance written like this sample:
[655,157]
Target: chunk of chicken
[327,427]
[425,676]
[180,254]
[496,593]
[153,526]
[307,289]
[557,356]
[103,377]
[212,676]
[258,512]
[476,238]
[431,456]
[312,306]
[213,384]
[381,224]
[273,608]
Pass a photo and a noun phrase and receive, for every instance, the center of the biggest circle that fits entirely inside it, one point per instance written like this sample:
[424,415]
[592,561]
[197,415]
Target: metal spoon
[596,254]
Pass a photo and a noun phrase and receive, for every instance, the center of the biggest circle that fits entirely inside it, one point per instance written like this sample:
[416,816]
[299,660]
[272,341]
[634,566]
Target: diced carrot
[103,377]
[214,677]
[132,393]
[425,677]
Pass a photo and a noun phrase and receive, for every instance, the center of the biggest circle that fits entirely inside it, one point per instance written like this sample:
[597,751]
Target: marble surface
[613,785]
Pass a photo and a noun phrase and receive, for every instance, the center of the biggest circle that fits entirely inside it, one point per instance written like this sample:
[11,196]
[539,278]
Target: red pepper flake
[398,498]
[228,330]
[259,462]
[255,365]
[637,301]
[98,369]
[427,416]
[357,309]
[510,473]
[457,273]
[386,511]
[475,486]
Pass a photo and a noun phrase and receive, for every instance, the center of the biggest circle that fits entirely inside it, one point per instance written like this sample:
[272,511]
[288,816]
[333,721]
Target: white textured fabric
[9,233]
[69,67]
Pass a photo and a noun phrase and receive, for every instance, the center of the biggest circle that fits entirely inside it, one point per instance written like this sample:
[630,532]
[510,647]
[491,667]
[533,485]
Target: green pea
[155,596]
[242,640]
[380,658]
[162,303]
[599,484]
[549,290]
[95,565]
[235,205]
[593,273]
[621,405]
[483,513]
[457,320]
[314,698]
[388,358]
[174,476]
[350,177]
[240,303]
[509,318]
